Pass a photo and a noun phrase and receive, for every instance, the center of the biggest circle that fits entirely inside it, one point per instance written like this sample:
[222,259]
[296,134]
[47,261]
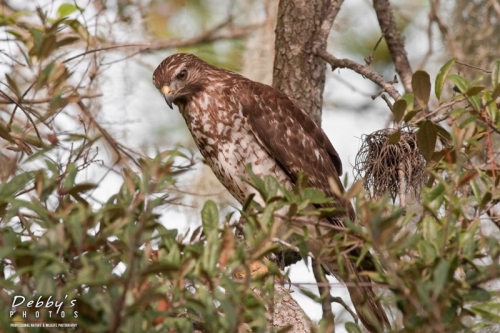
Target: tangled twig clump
[397,168]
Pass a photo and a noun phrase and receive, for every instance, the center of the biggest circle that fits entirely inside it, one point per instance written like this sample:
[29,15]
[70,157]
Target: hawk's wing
[291,137]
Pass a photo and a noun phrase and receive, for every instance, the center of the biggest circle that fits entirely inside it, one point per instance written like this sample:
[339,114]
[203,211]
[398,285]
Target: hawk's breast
[227,142]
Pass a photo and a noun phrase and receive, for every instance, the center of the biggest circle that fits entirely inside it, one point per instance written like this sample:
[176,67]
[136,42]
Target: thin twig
[402,185]
[337,299]
[207,37]
[473,67]
[44,100]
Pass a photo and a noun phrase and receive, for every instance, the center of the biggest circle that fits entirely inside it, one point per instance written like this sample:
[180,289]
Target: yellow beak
[168,94]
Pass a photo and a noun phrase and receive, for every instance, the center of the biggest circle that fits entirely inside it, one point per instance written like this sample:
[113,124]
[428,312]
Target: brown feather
[235,121]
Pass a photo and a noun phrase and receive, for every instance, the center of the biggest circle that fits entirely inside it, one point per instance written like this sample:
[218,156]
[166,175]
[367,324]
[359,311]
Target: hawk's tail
[368,307]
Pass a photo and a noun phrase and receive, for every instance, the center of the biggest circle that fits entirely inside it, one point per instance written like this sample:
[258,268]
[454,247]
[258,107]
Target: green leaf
[272,187]
[440,275]
[426,139]
[399,109]
[256,181]
[314,196]
[409,115]
[38,40]
[410,100]
[352,327]
[495,74]
[421,85]
[67,41]
[80,188]
[485,313]
[13,85]
[441,77]
[71,173]
[495,93]
[474,90]
[394,137]
[209,216]
[485,200]
[468,120]
[442,133]
[460,82]
[427,250]
[477,294]
[16,184]
[491,106]
[66,9]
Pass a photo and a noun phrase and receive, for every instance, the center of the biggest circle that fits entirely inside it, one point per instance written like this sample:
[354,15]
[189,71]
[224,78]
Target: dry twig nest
[396,168]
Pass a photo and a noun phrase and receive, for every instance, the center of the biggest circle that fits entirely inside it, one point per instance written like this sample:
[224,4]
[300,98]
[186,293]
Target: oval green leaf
[421,85]
[352,327]
[426,139]
[209,216]
[399,109]
[474,90]
[441,77]
[66,9]
[394,137]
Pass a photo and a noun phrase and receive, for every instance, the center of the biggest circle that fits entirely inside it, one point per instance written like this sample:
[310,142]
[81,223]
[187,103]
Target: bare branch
[10,100]
[395,41]
[207,37]
[363,70]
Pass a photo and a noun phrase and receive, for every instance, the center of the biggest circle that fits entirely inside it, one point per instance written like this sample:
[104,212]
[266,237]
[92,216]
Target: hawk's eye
[182,74]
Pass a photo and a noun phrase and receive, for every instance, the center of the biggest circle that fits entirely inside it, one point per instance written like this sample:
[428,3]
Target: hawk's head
[179,76]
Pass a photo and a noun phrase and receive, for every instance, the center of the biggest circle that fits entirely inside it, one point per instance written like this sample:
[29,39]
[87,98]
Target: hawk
[235,121]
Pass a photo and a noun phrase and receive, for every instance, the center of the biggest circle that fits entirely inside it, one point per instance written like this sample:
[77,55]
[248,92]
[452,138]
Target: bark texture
[288,313]
[298,72]
[395,41]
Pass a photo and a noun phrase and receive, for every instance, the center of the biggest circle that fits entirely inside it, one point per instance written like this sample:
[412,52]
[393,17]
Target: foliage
[441,261]
[113,264]
[128,272]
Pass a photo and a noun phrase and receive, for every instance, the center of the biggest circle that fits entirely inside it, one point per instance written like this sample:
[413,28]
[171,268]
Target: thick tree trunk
[297,71]
[300,74]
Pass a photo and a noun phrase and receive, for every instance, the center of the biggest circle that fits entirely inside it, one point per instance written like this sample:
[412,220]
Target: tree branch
[320,50]
[360,69]
[209,36]
[326,25]
[395,41]
[324,292]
